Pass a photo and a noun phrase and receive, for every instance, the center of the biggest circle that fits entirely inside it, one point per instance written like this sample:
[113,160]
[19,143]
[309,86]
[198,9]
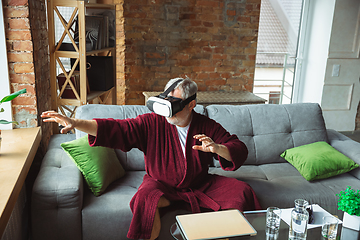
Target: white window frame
[300,51]
[4,80]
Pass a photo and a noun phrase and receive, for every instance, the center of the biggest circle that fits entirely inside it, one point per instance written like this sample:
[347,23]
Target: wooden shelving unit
[83,96]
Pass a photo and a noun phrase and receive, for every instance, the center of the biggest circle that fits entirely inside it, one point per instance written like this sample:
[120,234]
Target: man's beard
[173,120]
[176,121]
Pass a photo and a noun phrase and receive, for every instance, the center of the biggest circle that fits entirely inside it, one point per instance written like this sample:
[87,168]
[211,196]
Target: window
[274,97]
[276,50]
[4,80]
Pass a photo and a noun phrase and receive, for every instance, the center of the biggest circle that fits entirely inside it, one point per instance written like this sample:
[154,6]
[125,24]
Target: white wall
[341,92]
[332,38]
[317,38]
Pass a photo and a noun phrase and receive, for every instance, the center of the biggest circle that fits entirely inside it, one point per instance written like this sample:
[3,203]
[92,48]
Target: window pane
[276,49]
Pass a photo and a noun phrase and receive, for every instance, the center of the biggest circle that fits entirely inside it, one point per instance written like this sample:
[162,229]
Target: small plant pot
[351,221]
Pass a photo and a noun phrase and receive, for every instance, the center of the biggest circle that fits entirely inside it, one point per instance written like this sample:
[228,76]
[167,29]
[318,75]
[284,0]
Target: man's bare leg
[163,202]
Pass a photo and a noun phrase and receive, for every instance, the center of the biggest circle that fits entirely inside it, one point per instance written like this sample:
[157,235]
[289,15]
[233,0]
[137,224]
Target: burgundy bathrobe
[171,175]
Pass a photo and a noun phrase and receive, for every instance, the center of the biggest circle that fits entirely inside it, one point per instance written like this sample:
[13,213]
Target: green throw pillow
[318,160]
[99,165]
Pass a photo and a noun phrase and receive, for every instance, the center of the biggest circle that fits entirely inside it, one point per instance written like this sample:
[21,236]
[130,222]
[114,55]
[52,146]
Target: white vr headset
[168,106]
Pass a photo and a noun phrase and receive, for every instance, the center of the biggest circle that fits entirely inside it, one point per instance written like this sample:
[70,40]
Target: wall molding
[345,36]
[338,97]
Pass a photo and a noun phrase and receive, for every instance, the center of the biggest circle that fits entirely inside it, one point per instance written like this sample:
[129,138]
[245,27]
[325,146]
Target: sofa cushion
[318,160]
[57,192]
[268,129]
[279,184]
[111,207]
[99,165]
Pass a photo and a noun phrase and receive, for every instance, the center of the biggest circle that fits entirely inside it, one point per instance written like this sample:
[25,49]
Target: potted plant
[7,99]
[349,202]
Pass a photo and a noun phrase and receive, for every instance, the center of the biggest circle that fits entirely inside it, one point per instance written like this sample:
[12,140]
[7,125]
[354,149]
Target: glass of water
[273,217]
[329,227]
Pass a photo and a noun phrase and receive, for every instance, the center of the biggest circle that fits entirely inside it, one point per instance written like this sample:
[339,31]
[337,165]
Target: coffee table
[257,220]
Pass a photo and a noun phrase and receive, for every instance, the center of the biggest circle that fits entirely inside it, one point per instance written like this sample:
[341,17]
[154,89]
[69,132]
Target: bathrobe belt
[198,199]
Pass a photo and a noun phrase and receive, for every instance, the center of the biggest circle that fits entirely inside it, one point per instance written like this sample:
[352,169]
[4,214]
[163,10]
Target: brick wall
[27,46]
[211,41]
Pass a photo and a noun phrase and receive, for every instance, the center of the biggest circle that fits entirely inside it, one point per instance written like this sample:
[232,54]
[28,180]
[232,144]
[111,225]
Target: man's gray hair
[187,86]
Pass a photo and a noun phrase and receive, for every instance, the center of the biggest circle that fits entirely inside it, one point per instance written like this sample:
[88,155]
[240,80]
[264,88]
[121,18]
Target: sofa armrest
[57,196]
[346,146]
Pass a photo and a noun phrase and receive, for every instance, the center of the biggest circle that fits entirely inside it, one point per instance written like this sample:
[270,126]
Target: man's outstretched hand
[52,116]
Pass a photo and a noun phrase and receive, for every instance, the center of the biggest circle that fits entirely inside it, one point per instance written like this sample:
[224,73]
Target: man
[178,151]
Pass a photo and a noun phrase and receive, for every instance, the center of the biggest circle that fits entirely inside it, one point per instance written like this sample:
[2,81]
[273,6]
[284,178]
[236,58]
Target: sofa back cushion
[134,159]
[269,129]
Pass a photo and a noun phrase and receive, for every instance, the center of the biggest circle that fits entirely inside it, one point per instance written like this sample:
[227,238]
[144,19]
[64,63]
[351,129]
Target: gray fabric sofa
[64,208]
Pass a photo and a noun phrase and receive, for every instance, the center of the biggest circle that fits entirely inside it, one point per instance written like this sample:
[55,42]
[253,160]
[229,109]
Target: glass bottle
[299,220]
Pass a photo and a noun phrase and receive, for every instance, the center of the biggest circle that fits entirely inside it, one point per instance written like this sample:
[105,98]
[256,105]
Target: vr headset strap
[172,87]
[188,100]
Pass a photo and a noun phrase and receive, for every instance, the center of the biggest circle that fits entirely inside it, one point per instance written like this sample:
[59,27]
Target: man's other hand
[207,144]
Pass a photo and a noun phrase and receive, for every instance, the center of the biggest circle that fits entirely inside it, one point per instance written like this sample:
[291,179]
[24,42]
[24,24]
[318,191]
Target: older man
[178,151]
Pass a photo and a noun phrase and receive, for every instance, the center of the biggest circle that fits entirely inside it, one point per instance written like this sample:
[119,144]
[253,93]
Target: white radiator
[17,227]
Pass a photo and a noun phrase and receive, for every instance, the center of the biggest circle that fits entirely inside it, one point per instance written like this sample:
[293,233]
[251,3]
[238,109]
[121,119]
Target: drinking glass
[329,227]
[273,217]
